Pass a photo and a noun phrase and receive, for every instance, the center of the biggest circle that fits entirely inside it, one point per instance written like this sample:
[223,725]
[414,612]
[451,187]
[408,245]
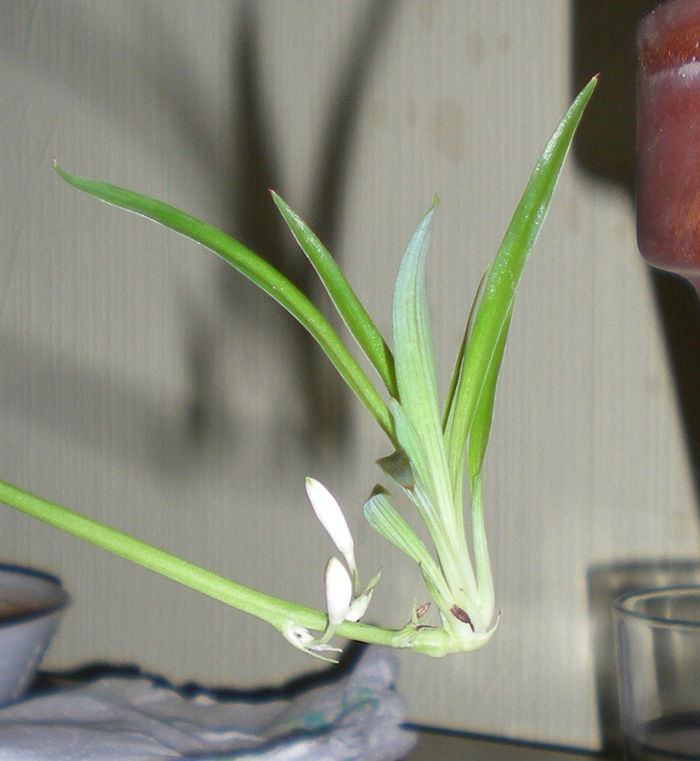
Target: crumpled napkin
[357,717]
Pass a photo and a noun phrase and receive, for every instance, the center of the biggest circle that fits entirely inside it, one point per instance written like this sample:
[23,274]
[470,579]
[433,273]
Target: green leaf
[382,517]
[259,272]
[482,562]
[499,292]
[459,363]
[349,307]
[480,428]
[443,521]
[416,374]
[398,467]
[413,446]
[483,415]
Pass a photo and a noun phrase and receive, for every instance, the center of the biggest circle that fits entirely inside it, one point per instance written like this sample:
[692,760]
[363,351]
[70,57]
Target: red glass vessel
[668,138]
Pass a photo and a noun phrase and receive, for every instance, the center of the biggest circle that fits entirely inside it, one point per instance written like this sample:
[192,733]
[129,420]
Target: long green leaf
[416,373]
[504,277]
[480,428]
[349,307]
[482,562]
[255,269]
[459,363]
[483,415]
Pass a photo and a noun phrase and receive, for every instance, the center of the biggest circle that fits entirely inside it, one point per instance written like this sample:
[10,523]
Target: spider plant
[433,444]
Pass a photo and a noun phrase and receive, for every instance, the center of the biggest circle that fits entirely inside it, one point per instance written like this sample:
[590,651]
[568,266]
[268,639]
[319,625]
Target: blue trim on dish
[23,569]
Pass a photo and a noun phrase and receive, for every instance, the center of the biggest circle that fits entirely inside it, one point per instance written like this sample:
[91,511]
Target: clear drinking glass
[657,639]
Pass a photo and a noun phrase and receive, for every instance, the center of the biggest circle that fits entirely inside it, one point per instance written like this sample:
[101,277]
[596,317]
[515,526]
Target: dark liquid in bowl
[12,609]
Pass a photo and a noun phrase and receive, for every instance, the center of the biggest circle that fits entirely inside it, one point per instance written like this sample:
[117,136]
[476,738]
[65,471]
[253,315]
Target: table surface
[441,746]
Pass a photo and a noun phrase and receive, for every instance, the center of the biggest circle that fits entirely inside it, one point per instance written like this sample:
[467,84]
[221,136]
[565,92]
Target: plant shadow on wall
[257,224]
[243,166]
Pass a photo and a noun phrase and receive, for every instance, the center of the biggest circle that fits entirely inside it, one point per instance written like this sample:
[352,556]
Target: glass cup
[657,639]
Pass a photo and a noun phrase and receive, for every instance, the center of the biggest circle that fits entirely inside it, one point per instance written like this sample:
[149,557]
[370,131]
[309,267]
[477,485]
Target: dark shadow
[247,163]
[255,219]
[49,681]
[98,407]
[604,41]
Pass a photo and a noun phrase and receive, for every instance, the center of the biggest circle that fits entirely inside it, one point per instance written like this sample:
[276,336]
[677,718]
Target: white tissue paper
[357,717]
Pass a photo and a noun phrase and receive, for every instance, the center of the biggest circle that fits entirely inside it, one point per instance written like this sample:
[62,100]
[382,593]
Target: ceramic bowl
[31,606]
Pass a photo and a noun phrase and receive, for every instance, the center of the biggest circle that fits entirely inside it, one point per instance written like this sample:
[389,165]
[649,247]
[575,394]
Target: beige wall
[102,316]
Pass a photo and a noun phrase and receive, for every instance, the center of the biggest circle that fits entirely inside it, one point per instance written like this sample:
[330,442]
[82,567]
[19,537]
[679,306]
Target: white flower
[332,519]
[338,593]
[358,607]
[344,601]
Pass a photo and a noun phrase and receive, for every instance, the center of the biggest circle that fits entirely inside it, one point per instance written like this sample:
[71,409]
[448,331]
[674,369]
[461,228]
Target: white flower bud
[332,519]
[338,592]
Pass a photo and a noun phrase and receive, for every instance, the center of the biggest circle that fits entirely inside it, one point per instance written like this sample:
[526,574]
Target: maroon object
[668,138]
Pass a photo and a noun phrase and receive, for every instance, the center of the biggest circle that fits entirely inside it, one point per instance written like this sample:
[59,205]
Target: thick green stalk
[278,613]
[275,611]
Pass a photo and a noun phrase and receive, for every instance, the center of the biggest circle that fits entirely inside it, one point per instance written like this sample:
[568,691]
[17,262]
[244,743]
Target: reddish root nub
[461,615]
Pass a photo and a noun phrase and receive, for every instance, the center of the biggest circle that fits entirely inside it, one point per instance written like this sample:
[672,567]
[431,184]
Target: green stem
[278,613]
[256,603]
